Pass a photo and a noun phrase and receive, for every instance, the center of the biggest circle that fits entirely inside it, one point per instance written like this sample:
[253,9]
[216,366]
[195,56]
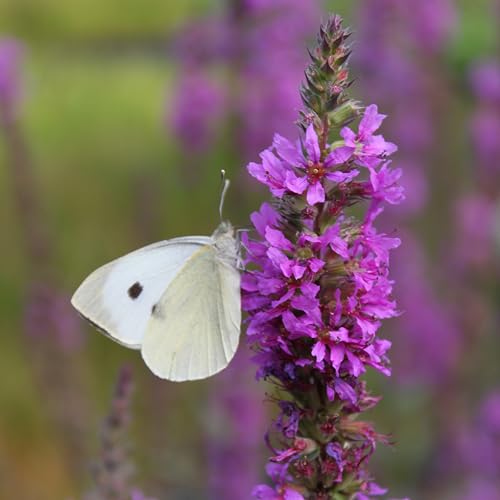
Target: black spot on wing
[157,312]
[135,290]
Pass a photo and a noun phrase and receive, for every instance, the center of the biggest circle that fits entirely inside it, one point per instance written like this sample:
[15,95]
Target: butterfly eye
[135,290]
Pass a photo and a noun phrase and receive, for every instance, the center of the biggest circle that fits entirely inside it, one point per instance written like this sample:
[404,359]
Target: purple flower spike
[113,472]
[317,288]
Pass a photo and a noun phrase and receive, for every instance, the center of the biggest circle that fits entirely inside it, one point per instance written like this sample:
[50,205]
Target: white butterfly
[178,301]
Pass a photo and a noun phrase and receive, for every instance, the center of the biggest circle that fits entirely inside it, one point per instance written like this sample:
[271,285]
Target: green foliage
[94,20]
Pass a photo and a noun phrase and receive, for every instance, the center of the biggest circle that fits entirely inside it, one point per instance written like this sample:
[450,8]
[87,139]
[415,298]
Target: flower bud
[344,114]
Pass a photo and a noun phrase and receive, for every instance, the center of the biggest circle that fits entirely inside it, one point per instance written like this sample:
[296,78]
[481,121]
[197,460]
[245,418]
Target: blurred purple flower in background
[198,109]
[53,334]
[485,79]
[236,424]
[113,472]
[475,446]
[481,254]
[485,123]
[429,325]
[49,312]
[474,457]
[11,85]
[200,102]
[479,444]
[431,22]
[258,44]
[318,285]
[272,68]
[482,203]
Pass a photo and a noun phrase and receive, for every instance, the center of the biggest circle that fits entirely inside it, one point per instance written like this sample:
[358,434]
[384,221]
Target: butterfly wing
[118,298]
[194,330]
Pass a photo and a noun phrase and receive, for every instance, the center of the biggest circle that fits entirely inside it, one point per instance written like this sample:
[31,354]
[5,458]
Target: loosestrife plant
[114,470]
[317,287]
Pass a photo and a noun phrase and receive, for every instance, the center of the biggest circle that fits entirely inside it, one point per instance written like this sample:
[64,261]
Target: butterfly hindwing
[194,329]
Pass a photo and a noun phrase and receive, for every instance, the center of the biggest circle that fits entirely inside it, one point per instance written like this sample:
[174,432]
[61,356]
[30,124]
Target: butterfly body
[178,301]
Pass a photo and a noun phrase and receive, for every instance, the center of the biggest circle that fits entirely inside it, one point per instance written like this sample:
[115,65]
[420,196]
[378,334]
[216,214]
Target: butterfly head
[225,229]
[225,242]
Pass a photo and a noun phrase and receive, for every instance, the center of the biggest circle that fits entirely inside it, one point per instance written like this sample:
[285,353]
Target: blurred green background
[98,83]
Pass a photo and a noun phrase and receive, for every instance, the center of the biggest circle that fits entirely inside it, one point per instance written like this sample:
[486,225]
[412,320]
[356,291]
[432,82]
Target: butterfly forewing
[194,329]
[119,297]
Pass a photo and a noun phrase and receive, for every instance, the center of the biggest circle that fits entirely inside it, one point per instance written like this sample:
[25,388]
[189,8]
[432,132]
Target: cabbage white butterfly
[178,301]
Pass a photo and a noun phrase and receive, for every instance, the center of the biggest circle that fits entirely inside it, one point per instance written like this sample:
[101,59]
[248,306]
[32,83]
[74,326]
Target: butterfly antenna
[224,188]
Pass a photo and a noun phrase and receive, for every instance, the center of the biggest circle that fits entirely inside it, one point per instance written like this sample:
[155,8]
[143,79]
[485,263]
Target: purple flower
[317,285]
[385,185]
[298,168]
[264,492]
[370,490]
[369,150]
[282,490]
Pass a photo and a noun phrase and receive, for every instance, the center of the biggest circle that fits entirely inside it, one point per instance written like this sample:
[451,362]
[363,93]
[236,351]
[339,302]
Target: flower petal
[337,353]
[295,184]
[356,366]
[371,121]
[315,193]
[287,151]
[266,216]
[349,137]
[342,176]
[339,155]
[345,391]
[319,351]
[312,144]
[291,494]
[277,239]
[264,492]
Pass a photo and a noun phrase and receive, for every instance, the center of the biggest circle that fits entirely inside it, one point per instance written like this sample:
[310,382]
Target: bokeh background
[115,119]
